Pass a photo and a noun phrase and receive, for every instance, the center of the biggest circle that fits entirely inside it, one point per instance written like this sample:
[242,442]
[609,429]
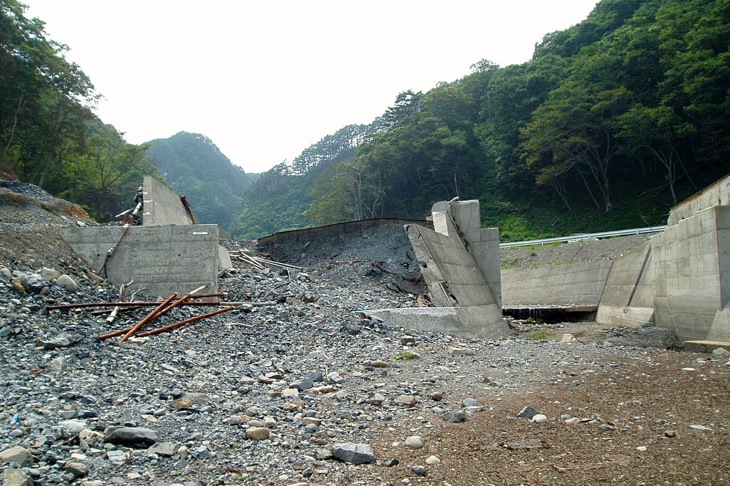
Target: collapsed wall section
[465,303]
[163,206]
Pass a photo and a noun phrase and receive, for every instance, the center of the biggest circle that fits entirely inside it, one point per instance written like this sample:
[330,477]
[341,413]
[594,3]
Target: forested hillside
[193,166]
[48,133]
[610,123]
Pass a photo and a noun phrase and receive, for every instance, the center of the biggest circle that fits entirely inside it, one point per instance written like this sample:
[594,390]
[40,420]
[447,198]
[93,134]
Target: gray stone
[257,433]
[527,413]
[407,400]
[302,385]
[50,274]
[77,468]
[469,402]
[354,453]
[18,455]
[165,449]
[137,437]
[540,418]
[73,427]
[15,477]
[414,442]
[116,457]
[455,417]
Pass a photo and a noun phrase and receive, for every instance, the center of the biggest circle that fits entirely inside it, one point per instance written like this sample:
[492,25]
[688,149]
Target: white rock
[433,460]
[414,442]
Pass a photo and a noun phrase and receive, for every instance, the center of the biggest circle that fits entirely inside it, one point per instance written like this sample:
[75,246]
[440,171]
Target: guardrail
[586,236]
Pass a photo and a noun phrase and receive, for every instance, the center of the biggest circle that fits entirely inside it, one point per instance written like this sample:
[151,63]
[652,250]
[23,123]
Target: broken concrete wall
[465,303]
[162,206]
[482,243]
[717,194]
[161,259]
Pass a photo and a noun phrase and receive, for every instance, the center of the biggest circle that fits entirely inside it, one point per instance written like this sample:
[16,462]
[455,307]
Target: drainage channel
[551,315]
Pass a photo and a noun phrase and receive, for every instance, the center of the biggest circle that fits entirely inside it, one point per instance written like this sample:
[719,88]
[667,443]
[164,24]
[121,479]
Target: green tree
[576,130]
[105,178]
[44,109]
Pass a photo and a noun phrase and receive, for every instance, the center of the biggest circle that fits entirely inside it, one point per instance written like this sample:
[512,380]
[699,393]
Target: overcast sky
[266,79]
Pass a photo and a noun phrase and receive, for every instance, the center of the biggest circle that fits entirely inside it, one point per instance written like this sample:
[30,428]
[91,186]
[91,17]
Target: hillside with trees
[609,124]
[48,133]
[193,166]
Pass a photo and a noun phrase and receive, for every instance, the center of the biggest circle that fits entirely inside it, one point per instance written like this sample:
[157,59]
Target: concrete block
[435,319]
[162,206]
[162,259]
[633,317]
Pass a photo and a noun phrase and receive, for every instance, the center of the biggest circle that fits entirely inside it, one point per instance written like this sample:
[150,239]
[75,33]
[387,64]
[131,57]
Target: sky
[266,79]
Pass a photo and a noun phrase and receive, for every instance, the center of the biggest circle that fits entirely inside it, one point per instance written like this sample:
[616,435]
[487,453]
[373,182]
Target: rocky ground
[298,386]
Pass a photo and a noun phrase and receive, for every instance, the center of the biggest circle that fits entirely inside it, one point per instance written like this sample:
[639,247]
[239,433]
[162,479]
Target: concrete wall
[162,206]
[574,285]
[465,304]
[483,243]
[717,194]
[628,298]
[162,259]
[692,273]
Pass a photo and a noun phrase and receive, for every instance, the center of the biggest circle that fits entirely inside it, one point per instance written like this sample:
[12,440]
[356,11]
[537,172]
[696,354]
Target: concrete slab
[705,346]
[628,297]
[450,320]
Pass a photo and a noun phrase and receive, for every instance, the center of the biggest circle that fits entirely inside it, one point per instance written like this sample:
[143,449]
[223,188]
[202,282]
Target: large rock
[354,453]
[137,437]
[18,455]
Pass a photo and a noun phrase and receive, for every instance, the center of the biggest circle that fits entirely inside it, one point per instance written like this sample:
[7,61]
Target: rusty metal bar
[186,321]
[148,317]
[114,333]
[121,304]
[179,301]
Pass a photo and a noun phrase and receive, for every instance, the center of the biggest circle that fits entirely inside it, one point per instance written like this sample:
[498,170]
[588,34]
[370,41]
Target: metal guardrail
[586,236]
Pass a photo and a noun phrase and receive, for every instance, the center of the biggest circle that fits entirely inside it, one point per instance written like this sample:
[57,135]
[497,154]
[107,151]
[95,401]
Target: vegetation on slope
[612,122]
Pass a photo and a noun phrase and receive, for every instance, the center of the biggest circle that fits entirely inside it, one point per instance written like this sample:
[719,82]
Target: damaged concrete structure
[679,280]
[459,261]
[166,254]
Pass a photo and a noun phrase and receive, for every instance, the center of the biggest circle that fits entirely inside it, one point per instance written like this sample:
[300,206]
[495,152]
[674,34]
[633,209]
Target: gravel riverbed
[297,386]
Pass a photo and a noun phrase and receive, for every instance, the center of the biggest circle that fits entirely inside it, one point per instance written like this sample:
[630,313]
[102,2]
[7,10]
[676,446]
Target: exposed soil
[644,415]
